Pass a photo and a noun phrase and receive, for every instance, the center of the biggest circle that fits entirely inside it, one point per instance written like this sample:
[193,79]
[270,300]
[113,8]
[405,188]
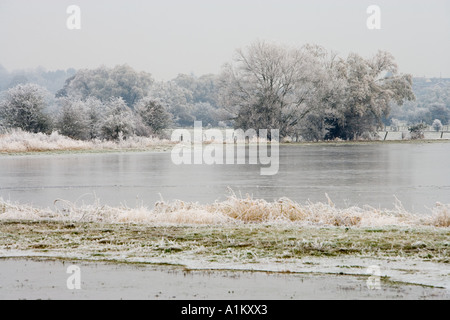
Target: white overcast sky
[167,37]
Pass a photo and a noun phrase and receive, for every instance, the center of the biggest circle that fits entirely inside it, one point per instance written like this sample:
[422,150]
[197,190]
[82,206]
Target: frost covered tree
[203,111]
[395,124]
[24,107]
[104,83]
[270,87]
[80,119]
[177,99]
[204,89]
[311,92]
[437,125]
[326,102]
[71,120]
[95,113]
[371,87]
[189,98]
[432,102]
[441,112]
[119,121]
[417,131]
[4,77]
[153,114]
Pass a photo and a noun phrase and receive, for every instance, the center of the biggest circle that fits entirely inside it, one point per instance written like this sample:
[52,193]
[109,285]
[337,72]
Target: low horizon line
[160,79]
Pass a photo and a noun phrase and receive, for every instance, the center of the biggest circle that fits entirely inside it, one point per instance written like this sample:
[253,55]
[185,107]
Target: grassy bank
[24,143]
[241,229]
[236,210]
[238,234]
[239,243]
[19,142]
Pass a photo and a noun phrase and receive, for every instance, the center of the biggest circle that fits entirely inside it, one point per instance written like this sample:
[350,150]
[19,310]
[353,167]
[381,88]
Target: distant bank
[405,135]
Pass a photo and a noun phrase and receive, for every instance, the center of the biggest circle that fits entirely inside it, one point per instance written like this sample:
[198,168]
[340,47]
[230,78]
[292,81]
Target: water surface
[351,174]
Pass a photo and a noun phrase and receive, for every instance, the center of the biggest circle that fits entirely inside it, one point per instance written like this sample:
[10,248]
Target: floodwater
[351,174]
[45,279]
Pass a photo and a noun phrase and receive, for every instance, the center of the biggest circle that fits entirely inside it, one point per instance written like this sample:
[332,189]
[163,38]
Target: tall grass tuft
[234,210]
[18,141]
[441,216]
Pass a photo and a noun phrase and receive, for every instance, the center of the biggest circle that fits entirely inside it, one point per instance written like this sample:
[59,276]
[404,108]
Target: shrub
[437,125]
[417,131]
[152,113]
[23,107]
[119,122]
[72,119]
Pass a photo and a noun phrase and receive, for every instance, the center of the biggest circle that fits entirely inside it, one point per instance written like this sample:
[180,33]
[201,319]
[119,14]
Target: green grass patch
[248,242]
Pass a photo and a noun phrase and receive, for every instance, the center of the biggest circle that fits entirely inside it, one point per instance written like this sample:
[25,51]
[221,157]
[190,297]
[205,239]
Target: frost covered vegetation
[235,210]
[18,141]
[108,104]
[26,107]
[237,230]
[432,104]
[309,93]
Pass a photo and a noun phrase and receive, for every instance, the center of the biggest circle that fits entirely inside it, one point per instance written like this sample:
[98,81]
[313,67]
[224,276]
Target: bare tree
[270,86]
[311,91]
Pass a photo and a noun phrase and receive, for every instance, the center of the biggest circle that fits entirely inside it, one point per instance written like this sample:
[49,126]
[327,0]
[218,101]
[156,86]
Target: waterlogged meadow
[264,228]
[336,164]
[238,229]
[233,211]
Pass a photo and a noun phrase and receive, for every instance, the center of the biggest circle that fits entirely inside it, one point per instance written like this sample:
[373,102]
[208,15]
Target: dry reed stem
[231,211]
[17,141]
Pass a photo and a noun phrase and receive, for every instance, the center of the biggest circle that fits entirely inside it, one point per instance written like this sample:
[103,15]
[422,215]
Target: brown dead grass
[18,141]
[234,210]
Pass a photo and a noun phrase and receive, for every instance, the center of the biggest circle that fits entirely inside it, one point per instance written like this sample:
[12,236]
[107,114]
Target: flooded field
[351,174]
[46,279]
[214,247]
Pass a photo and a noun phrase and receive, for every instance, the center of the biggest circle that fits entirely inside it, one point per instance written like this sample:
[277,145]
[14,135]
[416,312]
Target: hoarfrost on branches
[24,107]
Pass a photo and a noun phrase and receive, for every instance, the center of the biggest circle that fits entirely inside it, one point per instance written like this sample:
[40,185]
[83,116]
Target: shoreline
[167,147]
[412,255]
[46,278]
[404,255]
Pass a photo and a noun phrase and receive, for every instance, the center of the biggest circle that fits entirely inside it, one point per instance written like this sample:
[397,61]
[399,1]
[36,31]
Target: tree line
[308,92]
[432,104]
[27,107]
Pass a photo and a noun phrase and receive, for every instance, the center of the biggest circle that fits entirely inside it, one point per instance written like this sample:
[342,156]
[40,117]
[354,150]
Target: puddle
[32,278]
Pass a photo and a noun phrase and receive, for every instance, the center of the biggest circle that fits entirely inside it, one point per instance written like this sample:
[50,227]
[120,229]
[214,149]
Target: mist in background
[170,37]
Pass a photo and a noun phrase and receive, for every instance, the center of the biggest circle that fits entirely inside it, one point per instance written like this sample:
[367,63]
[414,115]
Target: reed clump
[18,141]
[234,210]
[441,216]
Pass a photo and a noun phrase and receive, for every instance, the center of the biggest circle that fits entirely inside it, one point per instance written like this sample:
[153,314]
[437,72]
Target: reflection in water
[373,174]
